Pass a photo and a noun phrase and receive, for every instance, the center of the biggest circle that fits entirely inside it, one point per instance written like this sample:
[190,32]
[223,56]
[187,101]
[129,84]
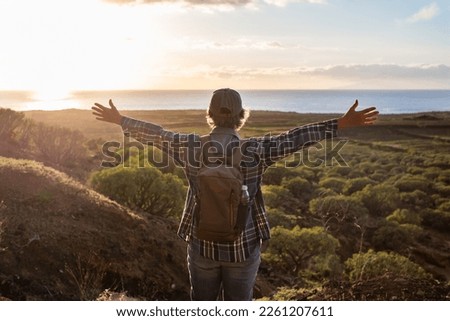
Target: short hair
[230,121]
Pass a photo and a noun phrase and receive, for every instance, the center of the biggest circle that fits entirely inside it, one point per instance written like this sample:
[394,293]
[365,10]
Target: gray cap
[225,102]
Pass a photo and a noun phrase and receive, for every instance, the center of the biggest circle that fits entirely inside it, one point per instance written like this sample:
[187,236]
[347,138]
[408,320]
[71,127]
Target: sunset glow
[53,47]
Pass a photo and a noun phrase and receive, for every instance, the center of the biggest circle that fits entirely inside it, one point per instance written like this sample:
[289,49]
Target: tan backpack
[219,216]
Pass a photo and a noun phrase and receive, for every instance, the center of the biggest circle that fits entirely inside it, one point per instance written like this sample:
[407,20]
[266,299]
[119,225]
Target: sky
[56,46]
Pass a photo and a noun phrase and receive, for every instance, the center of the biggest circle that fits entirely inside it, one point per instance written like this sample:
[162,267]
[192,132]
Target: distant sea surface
[302,101]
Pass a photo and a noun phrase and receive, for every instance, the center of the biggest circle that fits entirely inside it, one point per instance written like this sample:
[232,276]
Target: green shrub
[416,200]
[437,220]
[431,173]
[380,199]
[340,212]
[59,145]
[321,192]
[444,207]
[444,176]
[274,175]
[339,205]
[409,183]
[342,171]
[365,266]
[303,250]
[443,190]
[391,236]
[378,176]
[333,183]
[356,184]
[10,120]
[414,170]
[405,216]
[142,188]
[299,187]
[276,196]
[367,167]
[397,170]
[277,217]
[307,173]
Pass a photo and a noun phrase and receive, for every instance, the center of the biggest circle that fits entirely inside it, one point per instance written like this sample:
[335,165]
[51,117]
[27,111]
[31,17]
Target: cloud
[386,71]
[441,72]
[425,13]
[376,76]
[236,44]
[233,3]
[192,2]
[282,3]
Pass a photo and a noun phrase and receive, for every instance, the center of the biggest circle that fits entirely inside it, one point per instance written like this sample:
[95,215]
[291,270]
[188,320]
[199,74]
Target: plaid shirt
[258,154]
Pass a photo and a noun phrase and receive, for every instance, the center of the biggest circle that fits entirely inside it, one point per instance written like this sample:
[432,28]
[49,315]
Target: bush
[414,170]
[367,167]
[391,236]
[437,220]
[277,217]
[299,187]
[409,183]
[342,171]
[444,176]
[378,176]
[9,122]
[300,250]
[365,266]
[431,173]
[145,188]
[58,145]
[443,190]
[444,207]
[380,199]
[280,197]
[339,209]
[404,216]
[306,173]
[274,175]
[356,184]
[333,183]
[416,200]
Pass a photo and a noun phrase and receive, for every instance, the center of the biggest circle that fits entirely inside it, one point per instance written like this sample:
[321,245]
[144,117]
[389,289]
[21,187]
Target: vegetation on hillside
[380,217]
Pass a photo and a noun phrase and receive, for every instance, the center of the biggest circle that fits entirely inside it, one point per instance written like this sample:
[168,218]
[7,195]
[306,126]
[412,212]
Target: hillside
[61,241]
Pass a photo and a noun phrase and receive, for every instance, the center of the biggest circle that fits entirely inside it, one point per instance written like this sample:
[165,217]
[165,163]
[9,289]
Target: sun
[52,98]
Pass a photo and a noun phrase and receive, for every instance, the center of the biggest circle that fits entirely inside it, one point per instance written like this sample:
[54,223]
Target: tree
[405,216]
[410,183]
[142,188]
[301,189]
[416,200]
[334,183]
[59,145]
[9,122]
[277,217]
[391,236]
[274,175]
[336,210]
[365,266]
[280,197]
[356,184]
[380,199]
[298,250]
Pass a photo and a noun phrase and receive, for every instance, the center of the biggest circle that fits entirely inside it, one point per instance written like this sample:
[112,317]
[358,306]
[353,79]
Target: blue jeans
[209,277]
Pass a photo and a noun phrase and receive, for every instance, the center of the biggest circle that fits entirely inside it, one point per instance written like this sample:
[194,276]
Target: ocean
[302,101]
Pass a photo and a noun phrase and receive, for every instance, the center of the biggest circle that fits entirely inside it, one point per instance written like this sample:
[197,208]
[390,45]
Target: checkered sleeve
[154,135]
[277,147]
